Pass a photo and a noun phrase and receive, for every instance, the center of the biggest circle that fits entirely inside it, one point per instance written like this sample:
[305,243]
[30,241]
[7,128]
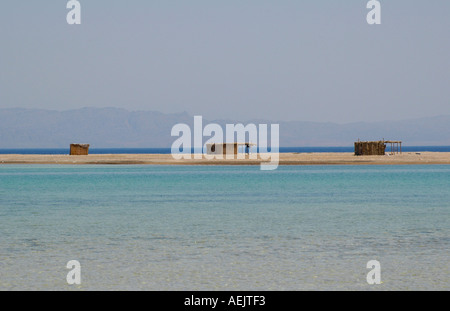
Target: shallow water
[224,227]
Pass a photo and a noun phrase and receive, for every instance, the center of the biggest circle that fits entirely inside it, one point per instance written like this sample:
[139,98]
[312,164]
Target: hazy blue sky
[315,60]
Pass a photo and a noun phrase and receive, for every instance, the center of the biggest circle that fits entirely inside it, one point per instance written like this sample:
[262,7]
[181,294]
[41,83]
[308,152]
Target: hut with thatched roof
[227,148]
[79,149]
[377,147]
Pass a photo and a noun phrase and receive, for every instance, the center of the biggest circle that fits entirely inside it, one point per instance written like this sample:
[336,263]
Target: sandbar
[336,158]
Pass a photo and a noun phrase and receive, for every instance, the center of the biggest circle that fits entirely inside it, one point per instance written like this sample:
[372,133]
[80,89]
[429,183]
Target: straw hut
[79,149]
[377,147]
[227,148]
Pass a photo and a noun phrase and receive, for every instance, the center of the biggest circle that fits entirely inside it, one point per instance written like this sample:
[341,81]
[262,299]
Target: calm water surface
[224,227]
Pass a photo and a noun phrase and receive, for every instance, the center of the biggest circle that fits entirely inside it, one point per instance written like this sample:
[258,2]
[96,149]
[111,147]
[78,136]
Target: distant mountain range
[120,128]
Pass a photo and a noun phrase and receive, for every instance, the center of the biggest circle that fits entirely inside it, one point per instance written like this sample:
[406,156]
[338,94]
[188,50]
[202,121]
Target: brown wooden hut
[377,147]
[79,149]
[221,148]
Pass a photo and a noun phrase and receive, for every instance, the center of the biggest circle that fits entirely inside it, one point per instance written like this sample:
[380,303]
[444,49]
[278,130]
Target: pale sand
[285,159]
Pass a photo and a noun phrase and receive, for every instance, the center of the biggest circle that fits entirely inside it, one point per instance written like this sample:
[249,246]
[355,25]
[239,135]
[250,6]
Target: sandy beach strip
[284,159]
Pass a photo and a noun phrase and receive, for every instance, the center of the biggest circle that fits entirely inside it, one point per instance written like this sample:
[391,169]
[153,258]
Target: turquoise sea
[224,227]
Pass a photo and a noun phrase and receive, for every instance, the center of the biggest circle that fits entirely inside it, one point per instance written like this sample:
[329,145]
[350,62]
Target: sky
[310,60]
